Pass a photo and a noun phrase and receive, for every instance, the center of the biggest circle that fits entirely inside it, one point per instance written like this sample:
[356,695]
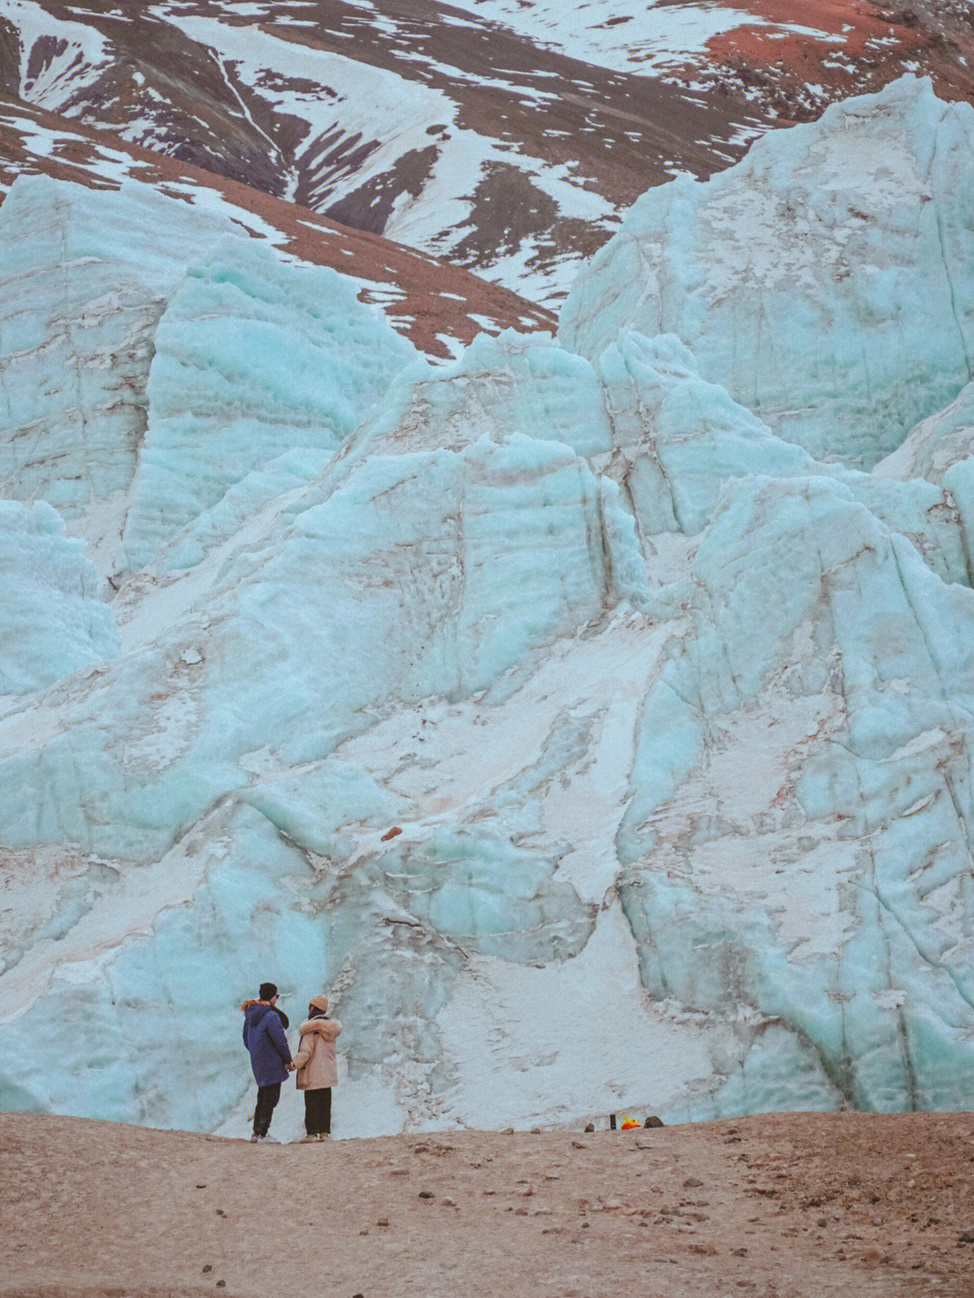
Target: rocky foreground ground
[785,1205]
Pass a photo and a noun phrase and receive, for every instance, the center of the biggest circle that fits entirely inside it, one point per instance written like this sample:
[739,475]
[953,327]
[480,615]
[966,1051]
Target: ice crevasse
[668,689]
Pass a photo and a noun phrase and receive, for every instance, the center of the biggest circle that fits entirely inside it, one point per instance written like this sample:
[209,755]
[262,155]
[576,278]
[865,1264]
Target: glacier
[593,715]
[825,281]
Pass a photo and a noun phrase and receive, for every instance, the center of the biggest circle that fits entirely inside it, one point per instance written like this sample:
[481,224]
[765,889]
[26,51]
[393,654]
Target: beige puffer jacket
[316,1054]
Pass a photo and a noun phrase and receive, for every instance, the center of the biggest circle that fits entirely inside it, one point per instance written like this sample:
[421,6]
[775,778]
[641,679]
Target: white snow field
[626,35]
[596,748]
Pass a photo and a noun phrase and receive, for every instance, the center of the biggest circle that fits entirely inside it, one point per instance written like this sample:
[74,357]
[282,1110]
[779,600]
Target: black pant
[267,1098]
[317,1111]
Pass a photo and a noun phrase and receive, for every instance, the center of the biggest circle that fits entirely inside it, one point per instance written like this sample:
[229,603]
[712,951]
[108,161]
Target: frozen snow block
[51,619]
[678,439]
[84,276]
[311,806]
[254,357]
[826,280]
[479,890]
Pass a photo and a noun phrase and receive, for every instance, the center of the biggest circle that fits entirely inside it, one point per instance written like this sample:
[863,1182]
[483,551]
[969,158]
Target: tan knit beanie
[320,1002]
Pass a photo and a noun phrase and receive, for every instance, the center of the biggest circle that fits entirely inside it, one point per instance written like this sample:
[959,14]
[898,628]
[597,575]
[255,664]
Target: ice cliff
[826,280]
[581,714]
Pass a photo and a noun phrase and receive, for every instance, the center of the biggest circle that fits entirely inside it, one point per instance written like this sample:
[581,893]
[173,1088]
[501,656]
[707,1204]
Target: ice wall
[825,280]
[84,277]
[252,356]
[592,743]
[52,619]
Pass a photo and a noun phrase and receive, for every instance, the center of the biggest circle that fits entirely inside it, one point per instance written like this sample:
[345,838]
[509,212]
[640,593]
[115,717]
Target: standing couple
[270,1057]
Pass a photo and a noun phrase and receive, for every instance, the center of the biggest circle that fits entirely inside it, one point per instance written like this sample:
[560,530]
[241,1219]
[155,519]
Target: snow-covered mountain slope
[826,281]
[591,743]
[798,55]
[504,138]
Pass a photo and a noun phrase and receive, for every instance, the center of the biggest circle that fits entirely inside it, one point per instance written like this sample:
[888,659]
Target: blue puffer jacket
[263,1035]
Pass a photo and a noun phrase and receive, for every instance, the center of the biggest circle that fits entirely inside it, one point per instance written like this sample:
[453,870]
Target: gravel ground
[795,1206]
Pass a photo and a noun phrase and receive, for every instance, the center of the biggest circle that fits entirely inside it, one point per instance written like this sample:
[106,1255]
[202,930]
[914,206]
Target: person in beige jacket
[317,1070]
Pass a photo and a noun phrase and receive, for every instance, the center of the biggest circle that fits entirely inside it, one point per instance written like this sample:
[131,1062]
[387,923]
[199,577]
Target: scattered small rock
[739,1252]
[383,1221]
[535,1131]
[363,1232]
[520,1212]
[653,1121]
[966,1238]
[823,1222]
[207,1268]
[447,1202]
[394,832]
[579,1144]
[399,1171]
[590,1127]
[201,1187]
[691,1182]
[508,1131]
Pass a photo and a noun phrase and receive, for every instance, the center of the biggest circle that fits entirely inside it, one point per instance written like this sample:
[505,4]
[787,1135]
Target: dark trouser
[317,1111]
[267,1098]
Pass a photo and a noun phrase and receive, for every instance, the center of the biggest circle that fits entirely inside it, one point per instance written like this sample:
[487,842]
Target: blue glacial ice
[252,356]
[825,281]
[552,684]
[85,277]
[53,619]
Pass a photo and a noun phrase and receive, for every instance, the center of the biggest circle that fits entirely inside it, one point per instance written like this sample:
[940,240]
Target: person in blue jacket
[270,1055]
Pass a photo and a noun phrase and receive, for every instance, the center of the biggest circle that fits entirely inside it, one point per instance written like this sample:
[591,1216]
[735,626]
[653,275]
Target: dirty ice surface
[596,739]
